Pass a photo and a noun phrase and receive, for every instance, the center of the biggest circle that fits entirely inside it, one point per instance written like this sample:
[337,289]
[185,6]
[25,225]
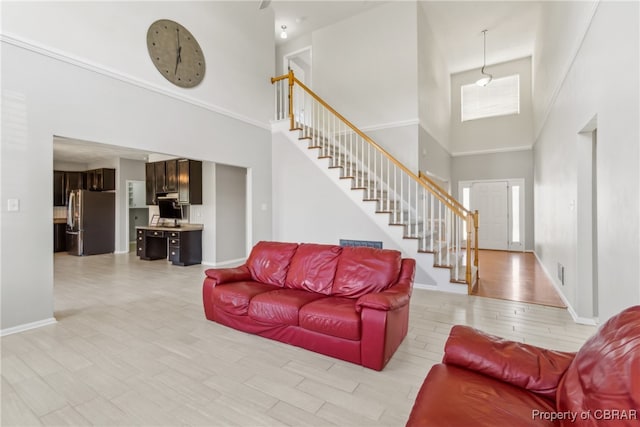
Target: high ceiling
[457,26]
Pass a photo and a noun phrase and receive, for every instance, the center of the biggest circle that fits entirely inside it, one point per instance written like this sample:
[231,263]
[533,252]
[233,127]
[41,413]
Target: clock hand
[178,59]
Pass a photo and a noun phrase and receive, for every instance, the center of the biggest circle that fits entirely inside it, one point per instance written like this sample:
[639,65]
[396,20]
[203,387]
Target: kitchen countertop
[181,227]
[59,220]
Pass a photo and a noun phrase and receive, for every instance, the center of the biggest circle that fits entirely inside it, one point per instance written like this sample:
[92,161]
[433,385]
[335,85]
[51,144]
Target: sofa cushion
[452,396]
[335,316]
[363,270]
[604,374]
[313,268]
[269,261]
[280,306]
[234,297]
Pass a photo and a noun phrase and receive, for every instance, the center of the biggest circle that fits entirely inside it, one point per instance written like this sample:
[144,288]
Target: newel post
[291,82]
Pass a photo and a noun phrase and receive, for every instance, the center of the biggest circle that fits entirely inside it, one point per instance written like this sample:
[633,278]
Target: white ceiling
[511,29]
[76,151]
[457,27]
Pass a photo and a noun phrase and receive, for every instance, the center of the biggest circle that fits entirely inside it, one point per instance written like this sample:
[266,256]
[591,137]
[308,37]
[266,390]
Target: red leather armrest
[532,368]
[395,296]
[225,275]
[392,298]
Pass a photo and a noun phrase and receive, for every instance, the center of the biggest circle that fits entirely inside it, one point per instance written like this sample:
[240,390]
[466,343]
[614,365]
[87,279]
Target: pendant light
[483,81]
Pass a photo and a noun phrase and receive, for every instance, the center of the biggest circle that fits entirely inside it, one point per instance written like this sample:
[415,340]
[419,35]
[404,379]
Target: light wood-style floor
[515,276]
[132,347]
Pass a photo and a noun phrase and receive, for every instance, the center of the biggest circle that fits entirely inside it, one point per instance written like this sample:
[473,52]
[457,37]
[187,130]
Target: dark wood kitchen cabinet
[150,183]
[166,176]
[64,182]
[190,182]
[103,179]
[59,236]
[182,176]
[58,188]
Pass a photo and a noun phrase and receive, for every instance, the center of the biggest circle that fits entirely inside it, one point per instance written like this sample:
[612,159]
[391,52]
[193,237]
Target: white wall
[434,85]
[366,66]
[493,134]
[602,82]
[49,90]
[562,28]
[236,38]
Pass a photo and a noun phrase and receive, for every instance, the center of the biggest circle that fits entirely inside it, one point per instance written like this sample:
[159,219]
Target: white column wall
[602,82]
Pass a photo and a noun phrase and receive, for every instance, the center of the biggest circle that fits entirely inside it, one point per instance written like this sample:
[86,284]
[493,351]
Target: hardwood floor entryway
[515,276]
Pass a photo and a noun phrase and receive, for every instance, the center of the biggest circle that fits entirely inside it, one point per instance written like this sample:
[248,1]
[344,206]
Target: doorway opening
[138,211]
[231,214]
[500,204]
[300,63]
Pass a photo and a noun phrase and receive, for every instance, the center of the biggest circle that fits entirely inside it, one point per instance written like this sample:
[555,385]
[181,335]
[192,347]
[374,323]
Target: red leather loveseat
[351,303]
[488,381]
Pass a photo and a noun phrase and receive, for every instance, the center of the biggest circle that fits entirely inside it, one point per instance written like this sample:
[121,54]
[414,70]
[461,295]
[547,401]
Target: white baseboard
[580,320]
[27,326]
[230,263]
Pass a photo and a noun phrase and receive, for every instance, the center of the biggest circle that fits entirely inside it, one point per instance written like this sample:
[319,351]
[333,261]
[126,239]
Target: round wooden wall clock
[175,53]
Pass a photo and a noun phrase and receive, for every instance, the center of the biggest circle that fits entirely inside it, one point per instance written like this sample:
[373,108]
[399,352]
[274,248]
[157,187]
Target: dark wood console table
[181,245]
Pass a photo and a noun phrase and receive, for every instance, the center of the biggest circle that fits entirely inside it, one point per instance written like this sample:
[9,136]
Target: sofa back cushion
[605,375]
[363,270]
[313,268]
[269,261]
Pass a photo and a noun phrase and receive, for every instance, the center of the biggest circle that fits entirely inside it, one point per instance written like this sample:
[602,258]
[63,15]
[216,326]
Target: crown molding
[126,78]
[492,151]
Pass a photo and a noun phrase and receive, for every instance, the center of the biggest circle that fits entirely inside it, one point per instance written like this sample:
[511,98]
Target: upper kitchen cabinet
[150,183]
[166,176]
[182,176]
[64,182]
[103,179]
[190,182]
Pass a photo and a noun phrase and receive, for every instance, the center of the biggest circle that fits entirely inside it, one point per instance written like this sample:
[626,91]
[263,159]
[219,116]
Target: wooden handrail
[441,190]
[415,177]
[471,218]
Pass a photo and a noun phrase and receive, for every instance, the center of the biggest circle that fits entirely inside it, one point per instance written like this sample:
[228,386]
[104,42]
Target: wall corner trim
[108,72]
[27,326]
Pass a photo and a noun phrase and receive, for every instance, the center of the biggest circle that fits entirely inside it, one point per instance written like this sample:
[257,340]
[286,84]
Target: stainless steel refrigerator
[91,220]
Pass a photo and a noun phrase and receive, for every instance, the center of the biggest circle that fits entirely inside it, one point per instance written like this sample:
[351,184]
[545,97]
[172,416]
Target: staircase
[426,222]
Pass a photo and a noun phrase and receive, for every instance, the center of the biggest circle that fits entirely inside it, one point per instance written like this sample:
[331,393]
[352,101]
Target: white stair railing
[428,213]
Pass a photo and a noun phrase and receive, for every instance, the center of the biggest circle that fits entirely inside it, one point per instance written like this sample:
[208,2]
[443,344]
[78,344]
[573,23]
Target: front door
[490,199]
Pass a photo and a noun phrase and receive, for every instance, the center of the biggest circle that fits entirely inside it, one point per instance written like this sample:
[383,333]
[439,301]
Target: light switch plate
[13,205]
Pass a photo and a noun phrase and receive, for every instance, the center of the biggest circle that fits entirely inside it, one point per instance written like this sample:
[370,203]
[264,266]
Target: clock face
[175,53]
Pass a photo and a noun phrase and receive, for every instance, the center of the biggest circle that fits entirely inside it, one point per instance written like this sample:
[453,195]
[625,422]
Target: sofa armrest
[387,300]
[533,368]
[226,275]
[395,296]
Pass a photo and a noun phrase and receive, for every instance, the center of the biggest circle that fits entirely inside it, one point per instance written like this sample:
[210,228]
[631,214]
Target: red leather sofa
[351,303]
[488,381]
